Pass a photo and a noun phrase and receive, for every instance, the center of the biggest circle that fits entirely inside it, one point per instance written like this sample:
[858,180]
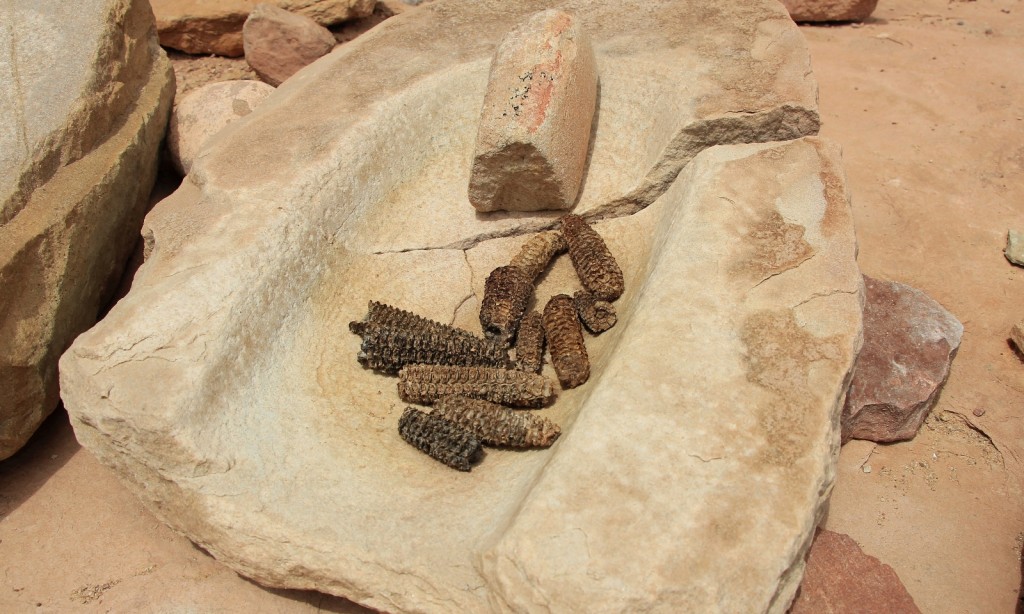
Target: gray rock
[84,115]
[909,343]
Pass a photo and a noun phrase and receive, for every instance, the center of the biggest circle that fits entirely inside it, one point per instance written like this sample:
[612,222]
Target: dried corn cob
[424,384]
[565,341]
[381,315]
[506,292]
[389,350]
[598,316]
[530,343]
[533,257]
[393,338]
[441,439]
[496,425]
[592,260]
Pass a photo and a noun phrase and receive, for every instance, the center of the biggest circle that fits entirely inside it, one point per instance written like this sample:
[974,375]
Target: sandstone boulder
[534,130]
[909,342]
[205,111]
[201,26]
[83,119]
[1015,247]
[1017,336]
[278,43]
[830,10]
[225,388]
[840,577]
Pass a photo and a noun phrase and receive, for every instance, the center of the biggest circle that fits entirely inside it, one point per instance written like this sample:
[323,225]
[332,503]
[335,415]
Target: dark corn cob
[506,292]
[565,341]
[389,350]
[381,315]
[424,384]
[530,343]
[598,316]
[496,425]
[592,260]
[441,439]
[535,254]
[393,338]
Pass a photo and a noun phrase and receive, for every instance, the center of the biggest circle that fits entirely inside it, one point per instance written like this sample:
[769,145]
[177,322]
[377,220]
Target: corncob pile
[470,380]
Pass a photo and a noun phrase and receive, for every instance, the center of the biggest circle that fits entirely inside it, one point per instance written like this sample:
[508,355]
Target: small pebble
[979,412]
[866,468]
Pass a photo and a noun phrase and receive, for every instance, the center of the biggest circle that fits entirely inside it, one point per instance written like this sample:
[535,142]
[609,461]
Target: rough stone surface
[534,129]
[830,10]
[278,43]
[205,111]
[83,119]
[205,26]
[909,342]
[1015,247]
[1017,336]
[841,578]
[225,390]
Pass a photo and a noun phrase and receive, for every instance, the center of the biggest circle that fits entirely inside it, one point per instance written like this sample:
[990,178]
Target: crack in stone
[818,295]
[784,123]
[795,265]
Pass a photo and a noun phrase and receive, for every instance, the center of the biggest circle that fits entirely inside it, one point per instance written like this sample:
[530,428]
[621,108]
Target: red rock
[909,343]
[278,43]
[204,26]
[839,577]
[829,10]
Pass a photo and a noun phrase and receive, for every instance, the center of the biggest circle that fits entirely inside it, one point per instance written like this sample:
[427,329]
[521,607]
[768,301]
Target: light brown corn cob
[424,384]
[382,315]
[441,439]
[565,341]
[533,257]
[592,259]
[598,316]
[496,425]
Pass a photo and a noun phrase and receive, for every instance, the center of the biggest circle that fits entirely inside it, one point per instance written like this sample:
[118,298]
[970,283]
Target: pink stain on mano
[544,76]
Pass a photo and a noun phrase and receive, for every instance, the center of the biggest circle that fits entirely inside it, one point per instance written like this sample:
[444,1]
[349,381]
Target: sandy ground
[927,99]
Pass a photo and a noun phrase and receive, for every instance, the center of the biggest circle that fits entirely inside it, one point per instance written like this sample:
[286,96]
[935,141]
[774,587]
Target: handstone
[723,443]
[534,130]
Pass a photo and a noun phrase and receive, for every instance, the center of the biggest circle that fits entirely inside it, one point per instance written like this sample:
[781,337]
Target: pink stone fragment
[839,577]
[909,342]
[278,43]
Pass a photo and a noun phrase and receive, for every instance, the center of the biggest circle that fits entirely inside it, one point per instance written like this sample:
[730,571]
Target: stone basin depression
[694,465]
